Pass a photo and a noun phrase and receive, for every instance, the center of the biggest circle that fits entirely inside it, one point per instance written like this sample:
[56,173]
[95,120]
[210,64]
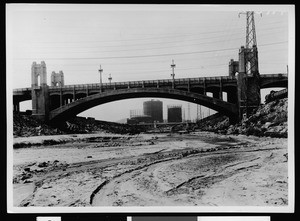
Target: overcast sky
[137,42]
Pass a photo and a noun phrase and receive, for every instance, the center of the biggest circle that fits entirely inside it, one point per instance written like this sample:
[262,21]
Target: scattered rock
[43,164]
[267,124]
[46,186]
[280,181]
[39,170]
[27,169]
[28,181]
[26,176]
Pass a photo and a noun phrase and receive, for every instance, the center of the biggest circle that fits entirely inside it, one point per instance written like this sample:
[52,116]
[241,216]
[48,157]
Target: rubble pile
[214,123]
[269,120]
[26,126]
[89,125]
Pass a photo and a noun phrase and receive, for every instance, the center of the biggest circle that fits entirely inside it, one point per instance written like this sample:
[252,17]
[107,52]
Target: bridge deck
[147,83]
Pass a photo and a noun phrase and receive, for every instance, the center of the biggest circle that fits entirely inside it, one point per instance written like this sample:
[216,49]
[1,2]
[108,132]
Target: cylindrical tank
[174,113]
[154,108]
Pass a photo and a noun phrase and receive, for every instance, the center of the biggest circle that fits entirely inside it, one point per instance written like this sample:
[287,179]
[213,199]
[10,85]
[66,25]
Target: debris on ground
[27,125]
[269,120]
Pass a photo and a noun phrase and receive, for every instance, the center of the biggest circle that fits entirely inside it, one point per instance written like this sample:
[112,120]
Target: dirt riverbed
[199,168]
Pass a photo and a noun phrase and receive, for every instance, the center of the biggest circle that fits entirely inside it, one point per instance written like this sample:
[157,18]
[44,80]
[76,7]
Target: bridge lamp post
[100,71]
[173,74]
[109,78]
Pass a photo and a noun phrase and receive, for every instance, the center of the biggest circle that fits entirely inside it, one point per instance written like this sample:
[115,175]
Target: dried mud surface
[200,168]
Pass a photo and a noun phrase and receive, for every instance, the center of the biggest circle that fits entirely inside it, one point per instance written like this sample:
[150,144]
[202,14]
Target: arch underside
[78,106]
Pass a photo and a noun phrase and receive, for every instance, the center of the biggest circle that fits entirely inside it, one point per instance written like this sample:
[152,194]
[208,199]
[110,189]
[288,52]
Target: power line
[153,55]
[173,36]
[143,44]
[142,49]
[150,71]
[141,56]
[158,37]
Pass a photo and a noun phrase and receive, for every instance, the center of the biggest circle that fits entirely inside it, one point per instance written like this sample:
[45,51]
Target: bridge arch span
[72,109]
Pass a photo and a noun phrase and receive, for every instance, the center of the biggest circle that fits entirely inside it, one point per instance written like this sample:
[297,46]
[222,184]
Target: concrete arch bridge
[60,102]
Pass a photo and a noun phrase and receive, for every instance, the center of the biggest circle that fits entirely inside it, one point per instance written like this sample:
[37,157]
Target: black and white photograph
[150,108]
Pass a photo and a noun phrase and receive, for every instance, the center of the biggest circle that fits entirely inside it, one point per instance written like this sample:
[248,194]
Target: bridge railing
[146,82]
[273,75]
[22,89]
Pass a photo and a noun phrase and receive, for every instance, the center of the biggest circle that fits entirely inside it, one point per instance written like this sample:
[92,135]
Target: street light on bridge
[173,74]
[100,71]
[109,78]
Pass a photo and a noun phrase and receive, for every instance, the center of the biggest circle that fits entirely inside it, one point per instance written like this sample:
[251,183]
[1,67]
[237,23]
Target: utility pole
[100,71]
[173,74]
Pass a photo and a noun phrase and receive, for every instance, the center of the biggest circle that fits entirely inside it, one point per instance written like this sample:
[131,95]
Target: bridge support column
[16,107]
[61,97]
[221,90]
[232,96]
[40,93]
[248,85]
[216,94]
[74,94]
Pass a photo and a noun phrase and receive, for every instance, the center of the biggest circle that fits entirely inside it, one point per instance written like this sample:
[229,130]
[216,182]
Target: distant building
[139,119]
[174,113]
[136,113]
[154,108]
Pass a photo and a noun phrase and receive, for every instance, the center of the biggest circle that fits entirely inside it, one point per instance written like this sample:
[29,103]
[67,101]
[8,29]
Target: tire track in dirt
[210,177]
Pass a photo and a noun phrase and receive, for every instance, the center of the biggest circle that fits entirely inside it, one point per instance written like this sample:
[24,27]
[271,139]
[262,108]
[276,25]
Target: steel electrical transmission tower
[248,67]
[250,30]
[251,58]
[251,46]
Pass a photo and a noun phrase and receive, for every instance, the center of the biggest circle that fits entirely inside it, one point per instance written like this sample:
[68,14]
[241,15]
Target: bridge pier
[74,94]
[221,90]
[216,94]
[232,96]
[61,97]
[16,107]
[248,82]
[40,93]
